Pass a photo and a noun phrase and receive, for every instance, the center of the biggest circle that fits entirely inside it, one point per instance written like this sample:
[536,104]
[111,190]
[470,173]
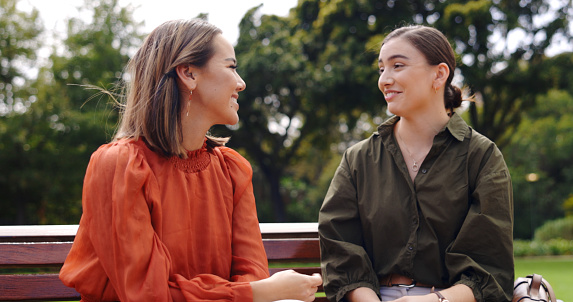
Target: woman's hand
[286,285]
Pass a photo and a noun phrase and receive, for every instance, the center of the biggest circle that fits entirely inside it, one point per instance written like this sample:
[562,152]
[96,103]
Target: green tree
[47,148]
[288,114]
[502,47]
[539,158]
[19,40]
[312,75]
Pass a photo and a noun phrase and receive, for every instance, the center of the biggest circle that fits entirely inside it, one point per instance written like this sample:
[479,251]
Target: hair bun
[453,97]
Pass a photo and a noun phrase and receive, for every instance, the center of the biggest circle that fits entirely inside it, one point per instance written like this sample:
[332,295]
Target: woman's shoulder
[484,155]
[372,144]
[121,151]
[480,143]
[232,158]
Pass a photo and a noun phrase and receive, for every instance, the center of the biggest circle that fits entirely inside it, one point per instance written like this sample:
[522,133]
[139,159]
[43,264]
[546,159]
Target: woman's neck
[193,133]
[421,130]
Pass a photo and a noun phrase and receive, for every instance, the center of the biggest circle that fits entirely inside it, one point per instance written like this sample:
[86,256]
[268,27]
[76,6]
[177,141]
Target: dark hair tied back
[452,97]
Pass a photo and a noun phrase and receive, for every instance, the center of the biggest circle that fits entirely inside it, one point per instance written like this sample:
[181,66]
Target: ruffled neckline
[196,161]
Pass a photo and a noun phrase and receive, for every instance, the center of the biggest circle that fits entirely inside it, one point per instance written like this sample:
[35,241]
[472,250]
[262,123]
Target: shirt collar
[456,126]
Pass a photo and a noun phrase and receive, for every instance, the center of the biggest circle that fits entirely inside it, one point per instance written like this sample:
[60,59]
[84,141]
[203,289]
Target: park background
[311,93]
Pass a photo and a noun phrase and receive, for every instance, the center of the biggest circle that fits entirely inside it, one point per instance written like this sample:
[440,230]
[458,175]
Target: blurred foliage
[555,229]
[46,148]
[541,147]
[568,206]
[312,76]
[19,41]
[552,247]
[311,92]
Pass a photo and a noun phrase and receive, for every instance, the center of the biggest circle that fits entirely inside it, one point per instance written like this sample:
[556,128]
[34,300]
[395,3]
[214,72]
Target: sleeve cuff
[473,284]
[242,291]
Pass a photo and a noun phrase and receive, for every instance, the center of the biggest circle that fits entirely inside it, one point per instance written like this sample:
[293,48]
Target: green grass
[558,271]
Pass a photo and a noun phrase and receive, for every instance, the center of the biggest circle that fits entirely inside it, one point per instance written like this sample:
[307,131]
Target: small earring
[435,89]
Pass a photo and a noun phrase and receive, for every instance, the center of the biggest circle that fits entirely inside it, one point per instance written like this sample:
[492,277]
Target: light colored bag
[532,288]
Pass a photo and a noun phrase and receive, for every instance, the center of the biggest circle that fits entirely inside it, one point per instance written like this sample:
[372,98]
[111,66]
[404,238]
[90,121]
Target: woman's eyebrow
[394,57]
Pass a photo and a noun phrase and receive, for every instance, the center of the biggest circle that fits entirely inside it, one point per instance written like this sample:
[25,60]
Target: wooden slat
[37,233]
[289,230]
[49,287]
[33,254]
[41,246]
[35,287]
[54,253]
[303,249]
[52,233]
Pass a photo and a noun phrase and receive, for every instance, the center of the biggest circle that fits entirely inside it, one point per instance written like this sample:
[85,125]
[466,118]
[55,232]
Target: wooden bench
[44,249]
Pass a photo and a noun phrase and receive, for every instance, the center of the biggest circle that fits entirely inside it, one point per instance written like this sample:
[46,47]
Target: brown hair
[436,48]
[152,106]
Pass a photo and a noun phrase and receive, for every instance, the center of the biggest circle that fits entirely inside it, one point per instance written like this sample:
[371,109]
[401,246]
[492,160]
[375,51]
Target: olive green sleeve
[344,262]
[481,256]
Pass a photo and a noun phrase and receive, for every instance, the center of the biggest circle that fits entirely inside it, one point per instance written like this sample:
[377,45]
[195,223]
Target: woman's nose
[241,85]
[384,80]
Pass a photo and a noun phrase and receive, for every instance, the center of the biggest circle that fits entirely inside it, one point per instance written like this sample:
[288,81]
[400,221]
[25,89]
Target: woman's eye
[398,65]
[233,66]
[381,70]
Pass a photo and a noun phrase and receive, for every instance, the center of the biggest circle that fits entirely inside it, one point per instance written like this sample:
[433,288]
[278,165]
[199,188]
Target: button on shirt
[452,225]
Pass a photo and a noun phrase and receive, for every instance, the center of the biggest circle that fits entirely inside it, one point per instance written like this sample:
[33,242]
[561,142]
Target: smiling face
[218,84]
[406,78]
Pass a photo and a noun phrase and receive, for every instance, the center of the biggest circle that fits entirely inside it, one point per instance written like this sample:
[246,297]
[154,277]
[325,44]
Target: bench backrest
[288,246]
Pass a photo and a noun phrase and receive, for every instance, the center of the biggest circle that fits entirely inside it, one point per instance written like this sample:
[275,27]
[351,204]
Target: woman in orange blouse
[168,211]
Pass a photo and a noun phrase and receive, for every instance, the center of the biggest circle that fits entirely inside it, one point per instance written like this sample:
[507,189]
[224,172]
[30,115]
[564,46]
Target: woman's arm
[362,294]
[481,256]
[345,263]
[249,258]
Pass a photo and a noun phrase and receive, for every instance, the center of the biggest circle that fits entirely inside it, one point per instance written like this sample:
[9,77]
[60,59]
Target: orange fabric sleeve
[249,257]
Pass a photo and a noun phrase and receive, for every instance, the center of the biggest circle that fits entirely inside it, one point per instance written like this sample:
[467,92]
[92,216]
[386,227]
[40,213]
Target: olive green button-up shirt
[452,225]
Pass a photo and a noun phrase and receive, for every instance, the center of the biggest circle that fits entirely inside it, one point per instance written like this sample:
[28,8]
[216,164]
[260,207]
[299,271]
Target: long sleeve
[345,263]
[249,262]
[117,224]
[481,256]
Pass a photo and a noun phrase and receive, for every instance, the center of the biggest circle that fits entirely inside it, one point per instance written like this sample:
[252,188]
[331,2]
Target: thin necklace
[415,166]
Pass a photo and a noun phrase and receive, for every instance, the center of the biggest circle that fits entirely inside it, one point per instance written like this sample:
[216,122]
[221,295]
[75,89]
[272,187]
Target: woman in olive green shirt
[424,202]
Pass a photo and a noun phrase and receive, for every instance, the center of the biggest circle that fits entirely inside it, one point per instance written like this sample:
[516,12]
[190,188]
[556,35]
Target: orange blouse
[166,229]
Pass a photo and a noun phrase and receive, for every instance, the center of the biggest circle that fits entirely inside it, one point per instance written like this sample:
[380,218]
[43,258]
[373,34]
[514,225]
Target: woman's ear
[186,74]
[441,75]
